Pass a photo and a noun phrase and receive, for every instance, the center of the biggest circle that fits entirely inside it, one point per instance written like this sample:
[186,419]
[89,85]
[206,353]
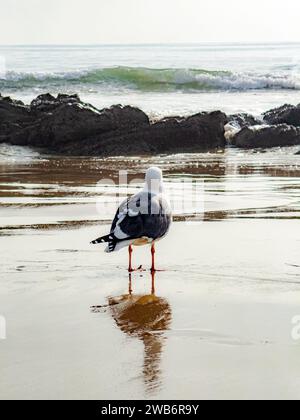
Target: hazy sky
[147,21]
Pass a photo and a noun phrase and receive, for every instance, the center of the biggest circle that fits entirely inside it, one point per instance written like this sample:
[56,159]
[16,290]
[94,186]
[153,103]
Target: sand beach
[216,323]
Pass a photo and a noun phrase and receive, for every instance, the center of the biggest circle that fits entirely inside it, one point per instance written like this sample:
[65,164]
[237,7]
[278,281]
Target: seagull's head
[154,180]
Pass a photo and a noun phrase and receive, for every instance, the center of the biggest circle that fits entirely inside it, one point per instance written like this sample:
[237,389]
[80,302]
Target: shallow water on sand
[36,191]
[216,323]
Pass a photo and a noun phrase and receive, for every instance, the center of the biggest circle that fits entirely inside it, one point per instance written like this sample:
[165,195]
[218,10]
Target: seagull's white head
[154,180]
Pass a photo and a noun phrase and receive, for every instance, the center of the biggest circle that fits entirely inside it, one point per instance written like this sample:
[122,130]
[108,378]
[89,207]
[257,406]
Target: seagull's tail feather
[113,243]
[103,239]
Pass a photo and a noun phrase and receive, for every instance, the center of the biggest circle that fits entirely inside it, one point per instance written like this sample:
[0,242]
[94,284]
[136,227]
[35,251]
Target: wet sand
[216,323]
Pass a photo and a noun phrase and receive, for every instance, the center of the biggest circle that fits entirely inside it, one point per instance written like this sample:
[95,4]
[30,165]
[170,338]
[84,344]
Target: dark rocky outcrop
[75,123]
[53,122]
[14,116]
[286,114]
[48,103]
[267,136]
[298,153]
[198,133]
[244,120]
[64,124]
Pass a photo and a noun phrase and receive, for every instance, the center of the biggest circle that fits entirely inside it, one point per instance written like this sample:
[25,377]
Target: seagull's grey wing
[128,222]
[120,212]
[157,223]
[143,215]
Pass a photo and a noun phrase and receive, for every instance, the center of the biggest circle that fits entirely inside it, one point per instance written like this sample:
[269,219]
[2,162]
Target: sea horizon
[154,43]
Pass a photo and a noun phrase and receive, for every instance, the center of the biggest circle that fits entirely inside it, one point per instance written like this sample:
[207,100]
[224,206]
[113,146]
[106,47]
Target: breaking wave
[146,79]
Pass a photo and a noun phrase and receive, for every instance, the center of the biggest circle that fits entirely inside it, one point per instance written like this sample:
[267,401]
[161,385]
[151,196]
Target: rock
[64,124]
[286,114]
[68,98]
[244,120]
[75,123]
[59,121]
[297,153]
[198,133]
[14,116]
[47,103]
[11,101]
[267,136]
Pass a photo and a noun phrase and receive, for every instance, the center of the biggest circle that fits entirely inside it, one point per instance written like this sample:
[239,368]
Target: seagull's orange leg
[130,269]
[130,250]
[153,267]
[153,258]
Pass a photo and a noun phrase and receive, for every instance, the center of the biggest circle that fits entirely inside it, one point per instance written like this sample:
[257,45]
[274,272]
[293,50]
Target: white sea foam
[248,81]
[14,154]
[231,129]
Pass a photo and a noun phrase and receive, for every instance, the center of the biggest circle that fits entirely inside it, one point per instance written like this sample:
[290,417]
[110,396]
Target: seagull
[142,219]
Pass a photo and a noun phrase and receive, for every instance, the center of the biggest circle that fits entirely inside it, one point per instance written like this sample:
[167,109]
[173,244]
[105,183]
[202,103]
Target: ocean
[160,79]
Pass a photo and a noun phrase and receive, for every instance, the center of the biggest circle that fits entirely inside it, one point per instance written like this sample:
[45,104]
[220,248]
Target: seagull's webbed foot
[133,270]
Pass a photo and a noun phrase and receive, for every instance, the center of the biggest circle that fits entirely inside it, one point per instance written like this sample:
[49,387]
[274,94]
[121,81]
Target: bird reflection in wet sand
[146,317]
